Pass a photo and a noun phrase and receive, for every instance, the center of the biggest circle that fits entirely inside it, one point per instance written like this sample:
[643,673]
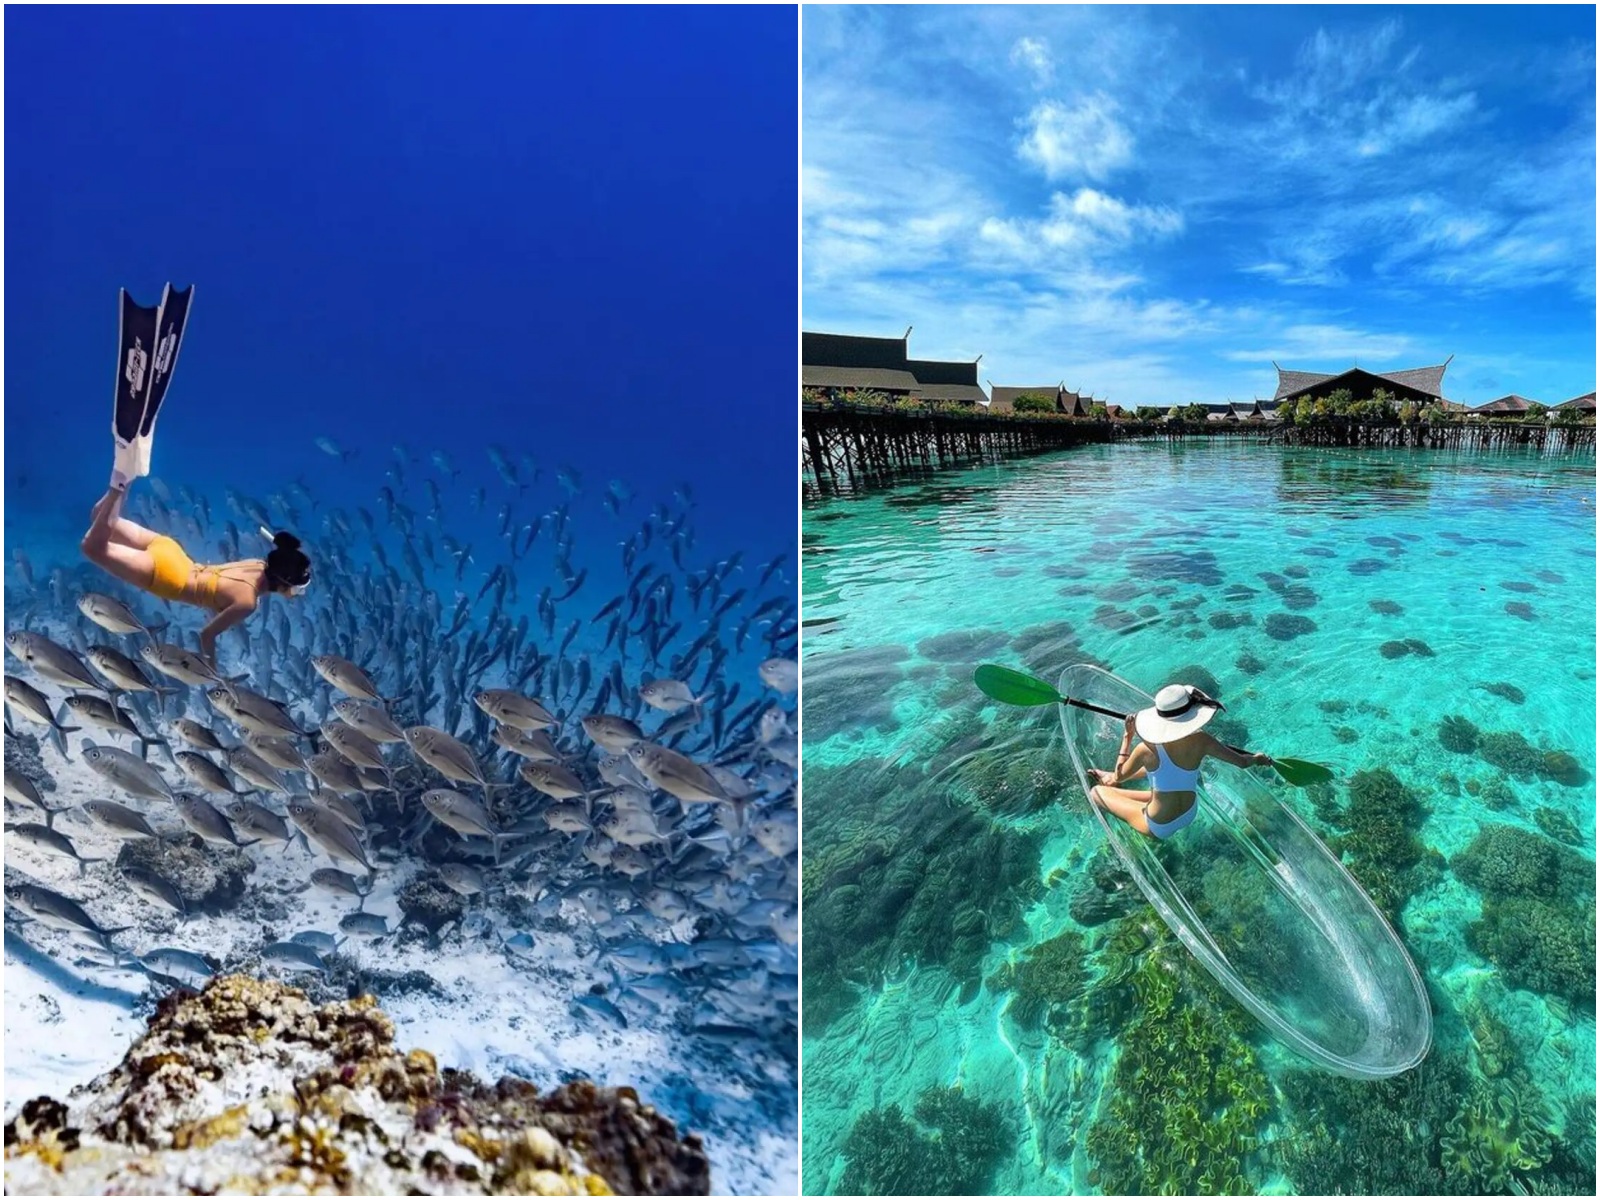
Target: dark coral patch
[1394,649]
[1520,609]
[1183,566]
[1006,572]
[1520,586]
[1367,566]
[1549,577]
[1506,691]
[1250,664]
[1386,608]
[1319,552]
[962,645]
[1296,571]
[1285,627]
[1229,620]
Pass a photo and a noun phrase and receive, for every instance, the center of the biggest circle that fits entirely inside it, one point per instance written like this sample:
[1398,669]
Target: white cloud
[1083,140]
[1084,223]
[1034,54]
[1308,346]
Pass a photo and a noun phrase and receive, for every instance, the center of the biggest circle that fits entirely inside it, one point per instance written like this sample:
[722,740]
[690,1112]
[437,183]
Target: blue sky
[1155,203]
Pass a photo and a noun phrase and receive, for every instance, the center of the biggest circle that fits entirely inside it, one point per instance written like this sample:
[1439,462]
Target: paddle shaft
[1108,712]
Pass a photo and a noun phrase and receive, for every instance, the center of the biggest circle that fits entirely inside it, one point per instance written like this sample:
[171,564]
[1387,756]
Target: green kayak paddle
[1015,687]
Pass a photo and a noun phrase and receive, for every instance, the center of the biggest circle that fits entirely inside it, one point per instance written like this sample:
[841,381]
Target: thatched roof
[1004,399]
[1426,381]
[848,350]
[961,393]
[1584,402]
[1506,404]
[865,378]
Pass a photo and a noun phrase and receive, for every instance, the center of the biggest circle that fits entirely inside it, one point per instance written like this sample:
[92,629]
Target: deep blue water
[419,234]
[538,227]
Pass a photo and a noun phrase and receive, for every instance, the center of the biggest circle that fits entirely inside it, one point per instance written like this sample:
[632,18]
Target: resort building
[836,363]
[1003,399]
[1583,403]
[1506,406]
[1419,385]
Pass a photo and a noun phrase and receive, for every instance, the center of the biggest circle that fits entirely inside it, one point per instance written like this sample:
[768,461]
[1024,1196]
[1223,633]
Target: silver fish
[568,818]
[364,924]
[251,767]
[190,970]
[201,737]
[204,773]
[56,911]
[345,676]
[532,743]
[123,672]
[278,752]
[28,701]
[778,834]
[112,614]
[266,825]
[514,709]
[177,663]
[334,773]
[55,663]
[200,816]
[343,809]
[780,674]
[336,838]
[42,837]
[612,733]
[553,780]
[669,695]
[155,888]
[128,771]
[22,790]
[292,956]
[447,756]
[677,774]
[341,883]
[462,879]
[118,819]
[254,712]
[354,745]
[370,719]
[322,943]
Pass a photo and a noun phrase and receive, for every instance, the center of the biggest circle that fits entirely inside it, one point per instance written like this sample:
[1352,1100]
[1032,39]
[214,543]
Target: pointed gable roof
[1426,380]
[1584,402]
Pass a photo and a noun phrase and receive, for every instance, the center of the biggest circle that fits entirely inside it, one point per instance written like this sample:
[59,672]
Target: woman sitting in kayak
[157,564]
[1172,748]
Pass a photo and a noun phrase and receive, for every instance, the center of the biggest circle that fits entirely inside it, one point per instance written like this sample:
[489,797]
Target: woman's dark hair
[287,566]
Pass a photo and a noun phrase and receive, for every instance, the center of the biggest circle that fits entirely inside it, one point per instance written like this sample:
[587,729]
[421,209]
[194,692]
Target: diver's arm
[1239,758]
[1129,767]
[224,620]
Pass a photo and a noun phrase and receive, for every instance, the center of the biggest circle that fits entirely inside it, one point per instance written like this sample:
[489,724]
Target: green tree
[1032,402]
[1097,412]
[1536,413]
[1194,414]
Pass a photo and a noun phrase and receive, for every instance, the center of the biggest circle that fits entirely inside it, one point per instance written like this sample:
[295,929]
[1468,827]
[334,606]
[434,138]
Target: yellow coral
[197,1135]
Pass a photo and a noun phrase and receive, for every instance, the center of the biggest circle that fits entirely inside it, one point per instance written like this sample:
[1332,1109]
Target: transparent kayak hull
[1264,906]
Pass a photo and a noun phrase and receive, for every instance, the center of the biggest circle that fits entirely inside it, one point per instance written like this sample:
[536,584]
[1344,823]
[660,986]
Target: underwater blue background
[569,232]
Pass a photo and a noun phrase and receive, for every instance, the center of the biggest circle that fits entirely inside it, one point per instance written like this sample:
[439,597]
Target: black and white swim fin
[147,355]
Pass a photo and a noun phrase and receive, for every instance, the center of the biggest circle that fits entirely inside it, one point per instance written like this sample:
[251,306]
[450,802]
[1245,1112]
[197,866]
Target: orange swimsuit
[170,580]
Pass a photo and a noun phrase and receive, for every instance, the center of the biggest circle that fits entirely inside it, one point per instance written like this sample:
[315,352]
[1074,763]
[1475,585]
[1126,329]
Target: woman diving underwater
[152,562]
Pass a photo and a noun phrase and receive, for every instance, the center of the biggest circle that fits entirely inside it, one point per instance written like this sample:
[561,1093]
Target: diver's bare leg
[131,564]
[1123,803]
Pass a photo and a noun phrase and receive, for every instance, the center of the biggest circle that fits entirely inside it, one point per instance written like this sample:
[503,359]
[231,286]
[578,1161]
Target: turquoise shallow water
[990,1006]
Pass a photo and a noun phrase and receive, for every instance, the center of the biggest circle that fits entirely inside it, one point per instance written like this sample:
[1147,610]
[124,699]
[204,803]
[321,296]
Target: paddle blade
[1013,687]
[1300,773]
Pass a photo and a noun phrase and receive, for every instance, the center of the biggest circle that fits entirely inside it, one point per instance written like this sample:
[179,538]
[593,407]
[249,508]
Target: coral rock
[247,1087]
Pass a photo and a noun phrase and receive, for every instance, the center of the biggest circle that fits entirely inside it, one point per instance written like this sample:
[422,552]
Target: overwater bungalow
[1506,406]
[836,363]
[1419,385]
[1583,403]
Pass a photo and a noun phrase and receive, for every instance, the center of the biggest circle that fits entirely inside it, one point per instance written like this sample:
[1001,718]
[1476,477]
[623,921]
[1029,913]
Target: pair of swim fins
[149,340]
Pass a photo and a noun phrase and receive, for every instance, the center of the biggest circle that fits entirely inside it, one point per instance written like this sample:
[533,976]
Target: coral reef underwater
[247,1087]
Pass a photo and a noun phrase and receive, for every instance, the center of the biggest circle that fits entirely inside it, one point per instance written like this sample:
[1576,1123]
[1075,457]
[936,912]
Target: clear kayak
[1264,905]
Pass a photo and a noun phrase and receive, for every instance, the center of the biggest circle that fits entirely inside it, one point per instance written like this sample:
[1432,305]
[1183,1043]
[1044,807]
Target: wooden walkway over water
[847,449]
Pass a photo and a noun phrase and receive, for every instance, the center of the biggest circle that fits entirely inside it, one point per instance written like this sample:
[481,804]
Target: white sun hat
[1179,710]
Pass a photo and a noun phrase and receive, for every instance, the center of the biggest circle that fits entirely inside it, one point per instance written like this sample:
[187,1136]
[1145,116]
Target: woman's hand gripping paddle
[1014,687]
